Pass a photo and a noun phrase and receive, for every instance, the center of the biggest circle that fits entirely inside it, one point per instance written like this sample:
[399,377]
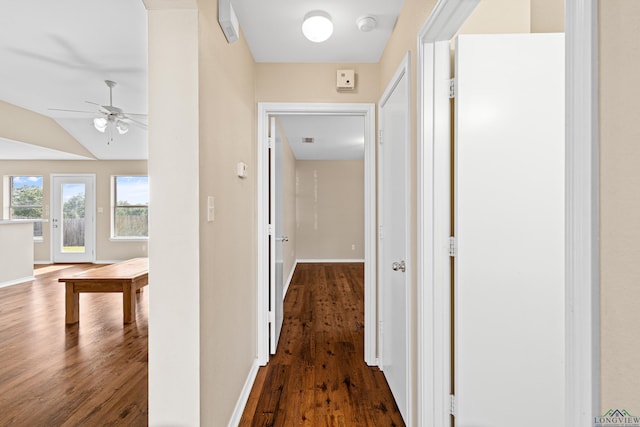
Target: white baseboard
[244,395]
[106,261]
[302,261]
[42,262]
[16,281]
[288,282]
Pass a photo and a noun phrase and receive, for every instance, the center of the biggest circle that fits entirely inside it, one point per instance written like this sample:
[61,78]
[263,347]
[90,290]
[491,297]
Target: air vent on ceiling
[307,140]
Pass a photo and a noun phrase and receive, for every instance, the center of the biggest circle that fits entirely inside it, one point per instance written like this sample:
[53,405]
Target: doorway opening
[268,237]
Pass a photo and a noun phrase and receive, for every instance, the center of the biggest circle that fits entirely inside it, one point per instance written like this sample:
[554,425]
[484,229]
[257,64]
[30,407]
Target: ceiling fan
[110,119]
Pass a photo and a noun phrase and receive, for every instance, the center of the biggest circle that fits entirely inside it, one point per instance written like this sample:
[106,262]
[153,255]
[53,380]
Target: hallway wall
[228,245]
[619,53]
[293,82]
[290,230]
[330,209]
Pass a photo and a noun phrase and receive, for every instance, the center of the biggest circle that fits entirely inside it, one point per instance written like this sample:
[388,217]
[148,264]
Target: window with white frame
[130,212]
[26,200]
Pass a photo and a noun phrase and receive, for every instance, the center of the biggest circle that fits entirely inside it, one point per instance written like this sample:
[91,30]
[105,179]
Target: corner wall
[174,259]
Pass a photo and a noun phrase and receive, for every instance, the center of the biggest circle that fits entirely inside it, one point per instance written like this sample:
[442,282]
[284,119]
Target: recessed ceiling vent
[307,140]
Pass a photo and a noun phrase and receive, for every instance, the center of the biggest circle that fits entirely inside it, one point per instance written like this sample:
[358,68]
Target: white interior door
[73,218]
[276,238]
[509,224]
[393,213]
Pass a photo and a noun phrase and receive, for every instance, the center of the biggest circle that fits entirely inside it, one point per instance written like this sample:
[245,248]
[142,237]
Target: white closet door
[509,224]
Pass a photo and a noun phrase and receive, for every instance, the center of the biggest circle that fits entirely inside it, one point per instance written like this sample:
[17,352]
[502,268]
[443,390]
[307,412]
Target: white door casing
[509,228]
[265,110]
[80,245]
[276,237]
[394,263]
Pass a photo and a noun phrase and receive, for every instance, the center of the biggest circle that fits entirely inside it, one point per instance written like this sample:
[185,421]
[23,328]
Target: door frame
[367,110]
[582,264]
[403,71]
[91,232]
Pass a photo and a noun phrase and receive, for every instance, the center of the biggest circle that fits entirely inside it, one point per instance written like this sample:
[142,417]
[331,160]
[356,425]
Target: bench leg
[72,304]
[129,303]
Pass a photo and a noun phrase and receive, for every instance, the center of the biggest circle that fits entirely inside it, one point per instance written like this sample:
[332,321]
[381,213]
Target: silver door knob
[399,266]
[282,239]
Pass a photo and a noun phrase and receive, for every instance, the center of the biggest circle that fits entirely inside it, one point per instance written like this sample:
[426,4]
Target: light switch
[100,209]
[211,214]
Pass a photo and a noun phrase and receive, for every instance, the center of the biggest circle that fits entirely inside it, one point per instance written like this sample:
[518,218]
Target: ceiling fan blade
[93,103]
[72,111]
[136,114]
[134,122]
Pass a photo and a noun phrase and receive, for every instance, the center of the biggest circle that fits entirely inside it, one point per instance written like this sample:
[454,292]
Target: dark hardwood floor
[93,373]
[318,376]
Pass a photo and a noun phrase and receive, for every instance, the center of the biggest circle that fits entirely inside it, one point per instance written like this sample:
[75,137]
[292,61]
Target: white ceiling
[335,137]
[273,29]
[57,54]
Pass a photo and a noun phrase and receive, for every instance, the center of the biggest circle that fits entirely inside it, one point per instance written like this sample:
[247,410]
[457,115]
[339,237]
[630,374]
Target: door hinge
[452,88]
[380,133]
[270,229]
[452,246]
[452,405]
[270,142]
[271,317]
[380,233]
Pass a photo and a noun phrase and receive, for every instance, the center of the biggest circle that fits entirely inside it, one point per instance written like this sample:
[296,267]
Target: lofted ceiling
[57,54]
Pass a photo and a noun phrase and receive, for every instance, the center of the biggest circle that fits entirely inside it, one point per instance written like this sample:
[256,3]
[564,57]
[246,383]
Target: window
[130,207]
[25,200]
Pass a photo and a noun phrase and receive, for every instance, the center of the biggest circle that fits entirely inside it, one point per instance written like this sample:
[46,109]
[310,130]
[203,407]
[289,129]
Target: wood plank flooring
[318,376]
[93,373]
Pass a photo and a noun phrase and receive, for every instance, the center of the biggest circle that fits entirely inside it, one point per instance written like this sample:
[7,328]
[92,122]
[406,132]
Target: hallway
[318,376]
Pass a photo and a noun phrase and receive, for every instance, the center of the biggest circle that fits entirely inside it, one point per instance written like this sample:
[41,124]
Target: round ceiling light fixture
[317,26]
[366,23]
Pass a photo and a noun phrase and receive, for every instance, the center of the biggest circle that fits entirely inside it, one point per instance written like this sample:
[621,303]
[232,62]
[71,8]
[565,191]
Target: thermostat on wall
[241,169]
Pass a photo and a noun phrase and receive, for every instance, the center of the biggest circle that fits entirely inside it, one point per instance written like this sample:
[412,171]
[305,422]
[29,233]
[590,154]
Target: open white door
[509,224]
[393,172]
[276,237]
[73,218]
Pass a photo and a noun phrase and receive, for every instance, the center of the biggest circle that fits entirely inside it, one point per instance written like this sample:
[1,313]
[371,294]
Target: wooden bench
[127,277]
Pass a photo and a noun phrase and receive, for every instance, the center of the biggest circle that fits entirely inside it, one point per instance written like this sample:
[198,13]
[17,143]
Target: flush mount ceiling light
[366,23]
[317,26]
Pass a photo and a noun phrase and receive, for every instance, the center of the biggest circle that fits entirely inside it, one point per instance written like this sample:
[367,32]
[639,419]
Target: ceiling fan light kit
[317,26]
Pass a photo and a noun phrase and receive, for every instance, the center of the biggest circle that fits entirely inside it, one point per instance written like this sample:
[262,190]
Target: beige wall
[289,190]
[547,16]
[516,16]
[106,249]
[26,126]
[330,209]
[620,203]
[291,82]
[227,245]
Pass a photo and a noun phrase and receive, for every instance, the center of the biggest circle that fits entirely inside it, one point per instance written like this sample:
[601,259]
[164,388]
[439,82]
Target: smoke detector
[366,23]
